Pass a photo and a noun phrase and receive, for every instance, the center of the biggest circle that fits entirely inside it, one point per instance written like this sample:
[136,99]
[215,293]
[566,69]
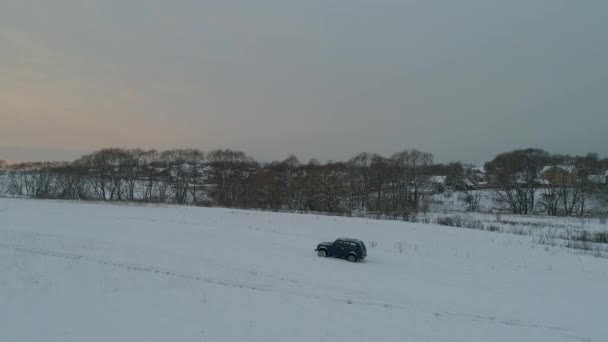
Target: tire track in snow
[189,276]
[131,266]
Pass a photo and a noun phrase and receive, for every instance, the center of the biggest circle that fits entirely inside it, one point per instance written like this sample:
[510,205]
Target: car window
[339,242]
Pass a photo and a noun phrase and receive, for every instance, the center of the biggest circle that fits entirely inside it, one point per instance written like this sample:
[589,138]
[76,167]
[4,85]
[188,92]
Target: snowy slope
[91,272]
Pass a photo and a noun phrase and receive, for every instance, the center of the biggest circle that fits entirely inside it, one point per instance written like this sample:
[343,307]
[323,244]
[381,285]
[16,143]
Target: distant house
[522,180]
[478,175]
[438,183]
[478,170]
[559,174]
[438,180]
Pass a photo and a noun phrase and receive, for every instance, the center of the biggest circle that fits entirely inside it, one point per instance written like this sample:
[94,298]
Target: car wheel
[322,253]
[352,258]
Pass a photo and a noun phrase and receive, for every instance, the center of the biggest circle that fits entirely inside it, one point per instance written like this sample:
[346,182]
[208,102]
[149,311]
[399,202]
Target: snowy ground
[92,272]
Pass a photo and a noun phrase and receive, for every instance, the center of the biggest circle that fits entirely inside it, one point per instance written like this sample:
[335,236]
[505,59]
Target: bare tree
[38,180]
[380,183]
[550,199]
[292,181]
[412,176]
[459,177]
[267,189]
[230,173]
[99,167]
[517,174]
[132,168]
[566,184]
[327,187]
[184,166]
[155,177]
[360,181]
[72,182]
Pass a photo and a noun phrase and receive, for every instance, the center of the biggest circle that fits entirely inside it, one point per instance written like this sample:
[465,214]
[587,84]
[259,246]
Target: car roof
[349,240]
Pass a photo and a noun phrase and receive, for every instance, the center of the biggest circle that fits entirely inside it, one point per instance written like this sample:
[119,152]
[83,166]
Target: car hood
[327,244]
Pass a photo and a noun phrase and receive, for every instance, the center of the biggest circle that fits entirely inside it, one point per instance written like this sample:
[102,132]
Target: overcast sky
[462,79]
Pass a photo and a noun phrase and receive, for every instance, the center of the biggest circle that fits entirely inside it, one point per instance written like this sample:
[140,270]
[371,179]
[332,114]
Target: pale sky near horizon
[464,79]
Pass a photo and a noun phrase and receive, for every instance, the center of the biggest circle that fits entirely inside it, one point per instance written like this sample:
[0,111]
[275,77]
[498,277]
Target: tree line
[562,189]
[398,185]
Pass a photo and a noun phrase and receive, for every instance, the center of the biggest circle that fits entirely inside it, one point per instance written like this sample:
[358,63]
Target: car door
[338,248]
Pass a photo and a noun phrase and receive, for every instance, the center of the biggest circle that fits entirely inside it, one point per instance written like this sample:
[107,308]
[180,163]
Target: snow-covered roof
[567,168]
[438,179]
[349,239]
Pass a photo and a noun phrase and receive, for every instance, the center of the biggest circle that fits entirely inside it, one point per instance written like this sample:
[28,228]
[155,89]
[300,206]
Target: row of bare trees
[399,184]
[560,184]
[231,178]
[367,182]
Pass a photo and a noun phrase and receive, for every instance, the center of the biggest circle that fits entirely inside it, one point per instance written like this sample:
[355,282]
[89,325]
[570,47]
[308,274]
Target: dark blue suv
[352,250]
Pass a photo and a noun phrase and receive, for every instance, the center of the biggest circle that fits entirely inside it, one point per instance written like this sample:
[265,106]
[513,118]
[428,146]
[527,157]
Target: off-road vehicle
[352,250]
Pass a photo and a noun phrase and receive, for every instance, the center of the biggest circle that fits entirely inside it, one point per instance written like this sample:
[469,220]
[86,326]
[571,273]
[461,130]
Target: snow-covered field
[74,271]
